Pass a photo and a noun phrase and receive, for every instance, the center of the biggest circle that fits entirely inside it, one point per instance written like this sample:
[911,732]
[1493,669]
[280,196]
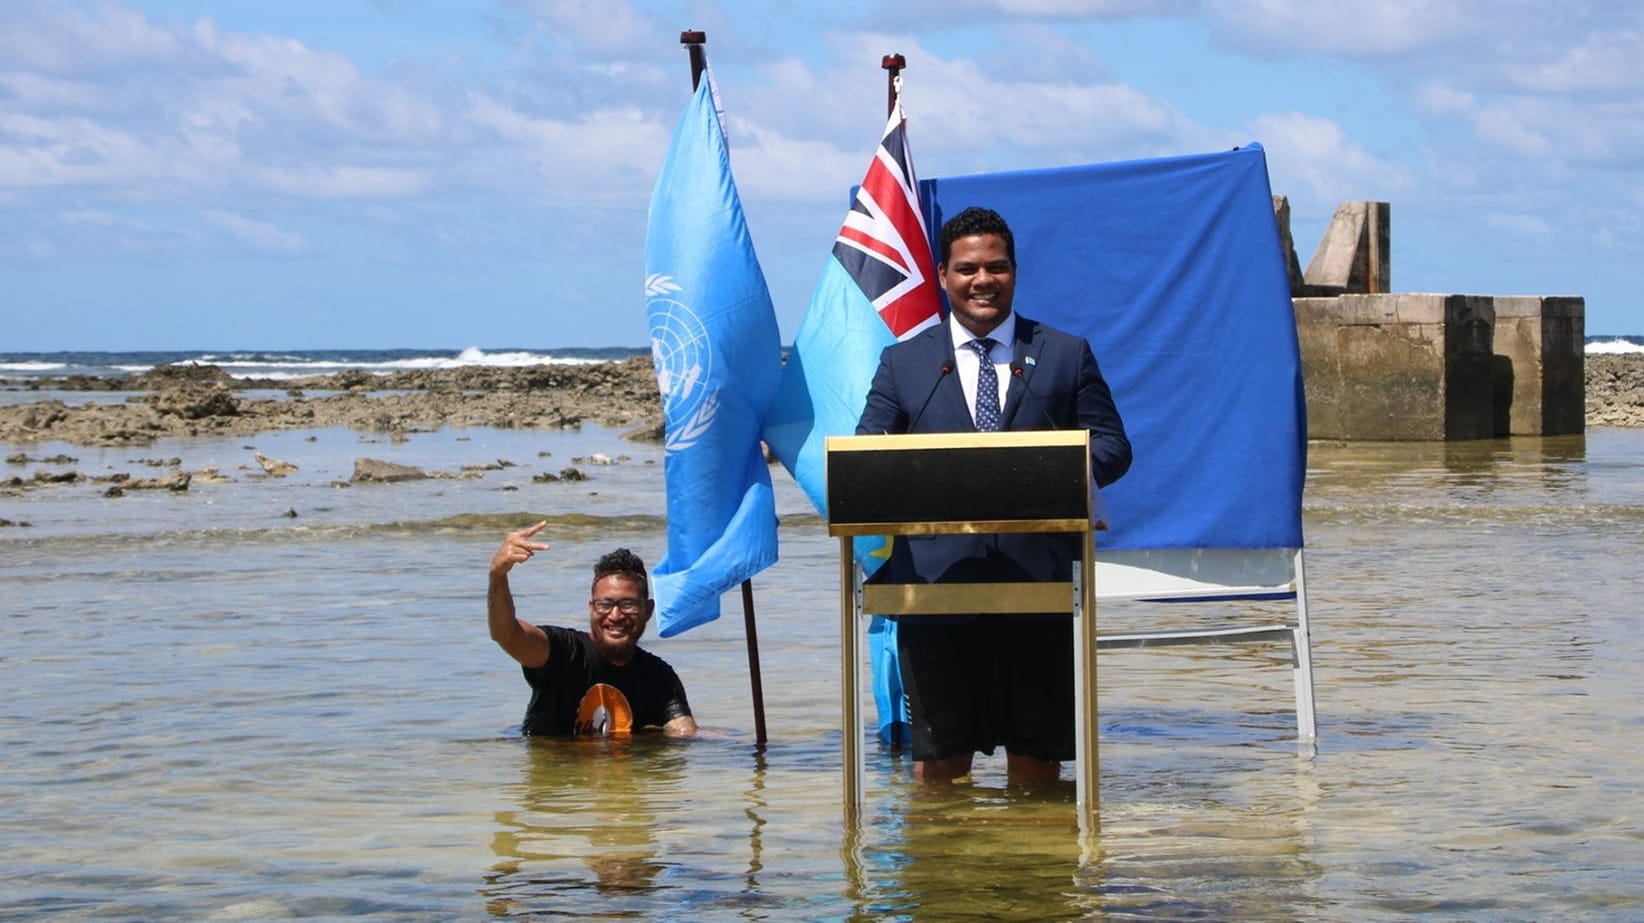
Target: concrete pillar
[1354,256]
[1397,367]
[1540,351]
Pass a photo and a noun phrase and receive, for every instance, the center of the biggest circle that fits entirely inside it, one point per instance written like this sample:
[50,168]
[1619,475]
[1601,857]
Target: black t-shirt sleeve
[674,704]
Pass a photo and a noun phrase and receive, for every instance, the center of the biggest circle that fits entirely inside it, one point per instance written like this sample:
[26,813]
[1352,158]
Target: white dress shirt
[968,365]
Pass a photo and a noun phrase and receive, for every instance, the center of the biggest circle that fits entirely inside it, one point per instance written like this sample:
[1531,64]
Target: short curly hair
[973,221]
[622,563]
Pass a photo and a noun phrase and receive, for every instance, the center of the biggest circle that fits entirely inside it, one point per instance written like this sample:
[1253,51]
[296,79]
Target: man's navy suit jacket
[1055,384]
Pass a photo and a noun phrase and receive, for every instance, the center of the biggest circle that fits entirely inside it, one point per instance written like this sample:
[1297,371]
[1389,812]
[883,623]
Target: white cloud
[597,157]
[262,235]
[970,120]
[1317,165]
[202,114]
[58,39]
[771,165]
[1520,225]
[974,11]
[1505,127]
[98,218]
[1440,99]
[1606,61]
[66,151]
[31,92]
[1619,230]
[611,28]
[275,79]
[1364,28]
[1604,133]
[1531,81]
[341,181]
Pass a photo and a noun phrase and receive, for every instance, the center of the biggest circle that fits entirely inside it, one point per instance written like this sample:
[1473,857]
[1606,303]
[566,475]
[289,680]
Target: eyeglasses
[604,605]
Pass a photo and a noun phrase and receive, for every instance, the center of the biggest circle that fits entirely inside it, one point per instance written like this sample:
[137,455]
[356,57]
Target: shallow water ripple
[215,711]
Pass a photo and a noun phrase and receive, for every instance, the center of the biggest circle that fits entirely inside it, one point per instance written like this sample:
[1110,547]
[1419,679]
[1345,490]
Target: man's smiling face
[616,633]
[980,280]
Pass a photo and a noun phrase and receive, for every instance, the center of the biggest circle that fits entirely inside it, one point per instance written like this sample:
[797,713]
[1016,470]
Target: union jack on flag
[882,244]
[878,286]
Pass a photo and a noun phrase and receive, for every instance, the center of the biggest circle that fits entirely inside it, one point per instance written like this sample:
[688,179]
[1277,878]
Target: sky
[315,174]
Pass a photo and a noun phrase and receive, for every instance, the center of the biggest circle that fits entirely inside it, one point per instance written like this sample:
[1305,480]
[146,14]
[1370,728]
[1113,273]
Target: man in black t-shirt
[596,681]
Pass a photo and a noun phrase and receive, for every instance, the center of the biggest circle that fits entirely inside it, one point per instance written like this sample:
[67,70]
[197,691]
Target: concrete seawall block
[1539,348]
[1397,366]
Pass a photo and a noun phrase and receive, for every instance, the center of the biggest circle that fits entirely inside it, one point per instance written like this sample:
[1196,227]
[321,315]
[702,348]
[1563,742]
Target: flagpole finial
[893,64]
[694,40]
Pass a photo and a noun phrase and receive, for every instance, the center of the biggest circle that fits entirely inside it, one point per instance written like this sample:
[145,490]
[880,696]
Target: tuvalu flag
[878,286]
[717,354]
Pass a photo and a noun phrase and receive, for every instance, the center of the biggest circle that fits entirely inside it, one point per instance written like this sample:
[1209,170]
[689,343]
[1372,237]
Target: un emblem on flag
[683,360]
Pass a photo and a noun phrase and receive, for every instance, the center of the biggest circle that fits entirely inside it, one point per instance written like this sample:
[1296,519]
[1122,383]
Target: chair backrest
[1202,574]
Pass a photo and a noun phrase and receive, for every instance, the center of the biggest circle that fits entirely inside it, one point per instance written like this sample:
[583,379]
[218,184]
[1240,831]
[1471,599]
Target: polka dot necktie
[987,386]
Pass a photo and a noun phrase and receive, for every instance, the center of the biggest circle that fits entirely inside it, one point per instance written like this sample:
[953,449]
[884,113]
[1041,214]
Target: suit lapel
[947,402]
[952,394]
[1025,356]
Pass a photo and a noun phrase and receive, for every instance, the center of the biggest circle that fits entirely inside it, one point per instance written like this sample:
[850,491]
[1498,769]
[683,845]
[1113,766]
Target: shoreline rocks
[202,400]
[1615,390]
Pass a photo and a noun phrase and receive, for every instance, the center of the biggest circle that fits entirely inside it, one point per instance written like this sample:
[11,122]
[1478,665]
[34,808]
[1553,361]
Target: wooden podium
[964,483]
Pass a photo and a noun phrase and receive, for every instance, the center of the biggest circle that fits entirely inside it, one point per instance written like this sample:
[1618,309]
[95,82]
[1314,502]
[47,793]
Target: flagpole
[753,664]
[893,64]
[693,41]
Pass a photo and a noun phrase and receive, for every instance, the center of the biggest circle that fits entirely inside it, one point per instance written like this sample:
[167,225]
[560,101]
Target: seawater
[23,369]
[275,697]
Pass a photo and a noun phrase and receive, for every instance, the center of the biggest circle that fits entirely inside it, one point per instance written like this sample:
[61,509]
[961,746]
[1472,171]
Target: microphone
[941,375]
[1016,373]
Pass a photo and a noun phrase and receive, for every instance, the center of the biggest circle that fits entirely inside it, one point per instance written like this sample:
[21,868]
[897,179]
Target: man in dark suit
[975,683]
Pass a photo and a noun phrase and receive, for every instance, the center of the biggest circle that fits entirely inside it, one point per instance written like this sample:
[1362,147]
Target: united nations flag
[718,357]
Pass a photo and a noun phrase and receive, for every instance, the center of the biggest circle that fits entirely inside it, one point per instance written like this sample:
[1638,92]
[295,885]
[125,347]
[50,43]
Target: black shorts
[974,684]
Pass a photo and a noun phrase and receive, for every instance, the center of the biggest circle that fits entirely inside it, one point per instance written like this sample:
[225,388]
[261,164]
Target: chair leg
[1302,670]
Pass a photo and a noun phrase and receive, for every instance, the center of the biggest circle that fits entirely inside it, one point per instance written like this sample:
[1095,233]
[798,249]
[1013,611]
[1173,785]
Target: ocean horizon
[282,364]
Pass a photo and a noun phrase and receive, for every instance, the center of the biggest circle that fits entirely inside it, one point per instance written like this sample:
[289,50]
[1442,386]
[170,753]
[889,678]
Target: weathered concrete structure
[1540,348]
[1425,367]
[1397,367]
[1354,256]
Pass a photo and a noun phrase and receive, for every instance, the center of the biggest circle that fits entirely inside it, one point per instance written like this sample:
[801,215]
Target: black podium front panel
[959,482]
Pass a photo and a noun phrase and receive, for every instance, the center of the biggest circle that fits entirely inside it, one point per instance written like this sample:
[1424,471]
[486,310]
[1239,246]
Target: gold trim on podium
[977,527]
[1011,439]
[966,598]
